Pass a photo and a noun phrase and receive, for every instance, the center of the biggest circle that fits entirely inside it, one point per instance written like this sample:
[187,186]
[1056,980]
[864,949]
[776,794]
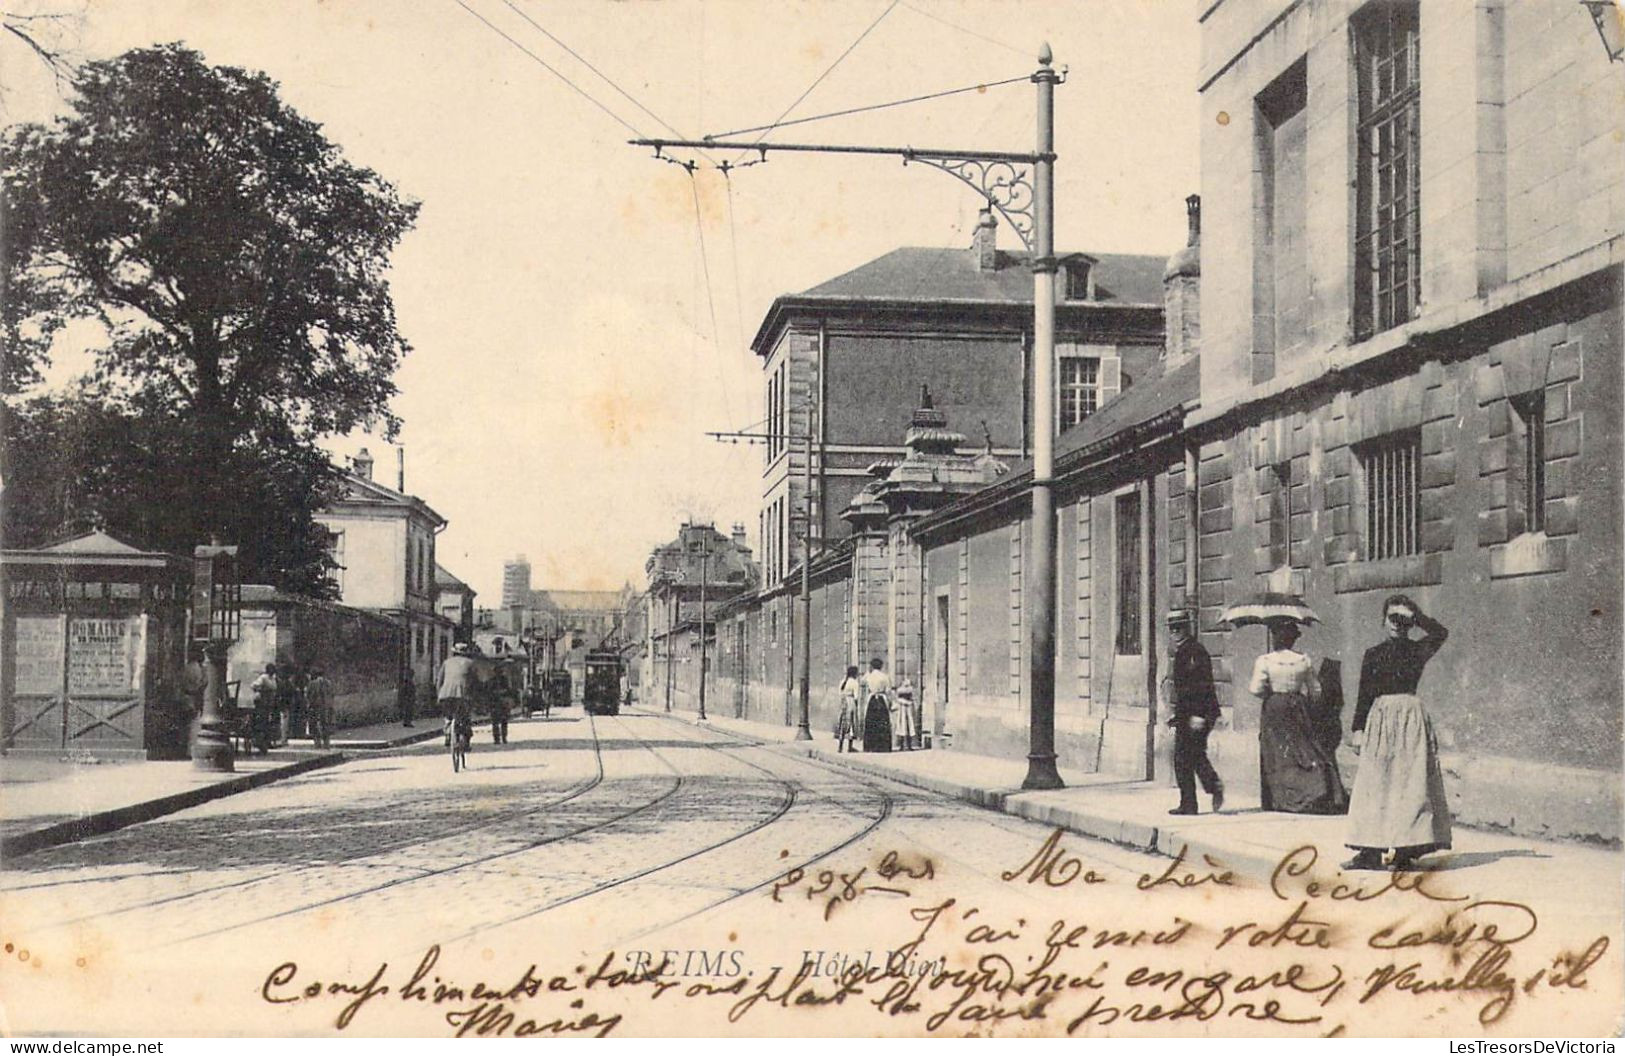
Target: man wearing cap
[1195,710]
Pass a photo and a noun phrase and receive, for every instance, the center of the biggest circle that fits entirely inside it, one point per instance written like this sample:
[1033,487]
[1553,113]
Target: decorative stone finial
[925,396]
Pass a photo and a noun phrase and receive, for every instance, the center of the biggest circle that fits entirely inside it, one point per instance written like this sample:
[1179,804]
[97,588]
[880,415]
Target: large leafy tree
[233,266]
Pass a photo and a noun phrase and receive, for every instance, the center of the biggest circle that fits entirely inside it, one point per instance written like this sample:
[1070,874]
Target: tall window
[335,553]
[1388,282]
[1391,470]
[1526,490]
[1129,580]
[1282,256]
[1080,389]
[1281,514]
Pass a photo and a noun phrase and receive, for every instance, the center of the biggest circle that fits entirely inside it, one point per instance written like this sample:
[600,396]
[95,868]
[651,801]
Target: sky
[572,341]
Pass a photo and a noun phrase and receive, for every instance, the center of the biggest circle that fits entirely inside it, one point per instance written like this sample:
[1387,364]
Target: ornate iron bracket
[1005,186]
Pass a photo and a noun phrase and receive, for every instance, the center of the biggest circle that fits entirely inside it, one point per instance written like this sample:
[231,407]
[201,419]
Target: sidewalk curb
[1150,839]
[1138,836]
[404,741]
[121,817]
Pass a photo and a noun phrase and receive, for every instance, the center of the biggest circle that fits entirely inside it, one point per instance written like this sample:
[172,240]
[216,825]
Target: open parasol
[1262,609]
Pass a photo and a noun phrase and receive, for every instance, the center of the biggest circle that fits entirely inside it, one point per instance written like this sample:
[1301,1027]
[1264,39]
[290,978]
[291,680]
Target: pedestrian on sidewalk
[299,717]
[409,696]
[264,717]
[1296,774]
[906,719]
[284,704]
[1195,713]
[877,716]
[500,705]
[851,701]
[1399,798]
[319,707]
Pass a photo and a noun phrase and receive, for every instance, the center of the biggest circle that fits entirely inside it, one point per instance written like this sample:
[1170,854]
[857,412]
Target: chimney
[363,464]
[400,469]
[985,242]
[1181,291]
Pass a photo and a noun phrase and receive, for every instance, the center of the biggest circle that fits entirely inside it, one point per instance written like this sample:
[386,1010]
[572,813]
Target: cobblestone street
[610,843]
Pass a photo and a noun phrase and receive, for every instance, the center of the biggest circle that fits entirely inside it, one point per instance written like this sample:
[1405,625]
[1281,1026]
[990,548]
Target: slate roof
[576,600]
[360,490]
[446,581]
[929,275]
[97,542]
[1155,402]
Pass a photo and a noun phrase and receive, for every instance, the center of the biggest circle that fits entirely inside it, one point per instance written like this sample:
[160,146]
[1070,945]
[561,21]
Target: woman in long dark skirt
[877,717]
[1296,774]
[1399,797]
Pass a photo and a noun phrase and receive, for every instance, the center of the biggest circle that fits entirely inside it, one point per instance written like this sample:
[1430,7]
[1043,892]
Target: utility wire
[544,64]
[733,237]
[604,76]
[830,69]
[705,262]
[1025,78]
[1026,53]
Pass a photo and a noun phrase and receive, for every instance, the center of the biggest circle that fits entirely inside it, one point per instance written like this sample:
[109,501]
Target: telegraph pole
[1000,177]
[1041,770]
[705,556]
[804,635]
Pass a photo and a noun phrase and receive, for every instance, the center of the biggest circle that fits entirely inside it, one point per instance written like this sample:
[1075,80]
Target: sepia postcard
[839,518]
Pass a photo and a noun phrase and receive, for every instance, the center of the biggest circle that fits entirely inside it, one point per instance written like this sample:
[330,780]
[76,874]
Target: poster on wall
[39,655]
[102,656]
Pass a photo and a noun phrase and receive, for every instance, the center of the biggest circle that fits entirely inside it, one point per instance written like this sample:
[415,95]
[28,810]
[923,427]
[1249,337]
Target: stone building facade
[1428,401]
[843,362]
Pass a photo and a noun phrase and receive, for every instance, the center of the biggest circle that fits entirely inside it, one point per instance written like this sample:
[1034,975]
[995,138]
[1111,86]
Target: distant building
[516,582]
[690,579]
[844,362]
[454,601]
[382,544]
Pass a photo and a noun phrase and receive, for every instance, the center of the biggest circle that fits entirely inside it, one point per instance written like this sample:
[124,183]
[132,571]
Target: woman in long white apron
[1399,799]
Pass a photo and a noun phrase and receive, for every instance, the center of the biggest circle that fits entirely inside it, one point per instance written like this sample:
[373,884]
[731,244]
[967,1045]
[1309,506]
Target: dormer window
[1079,286]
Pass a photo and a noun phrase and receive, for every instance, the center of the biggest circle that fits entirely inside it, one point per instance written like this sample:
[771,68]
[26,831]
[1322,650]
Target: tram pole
[705,556]
[804,633]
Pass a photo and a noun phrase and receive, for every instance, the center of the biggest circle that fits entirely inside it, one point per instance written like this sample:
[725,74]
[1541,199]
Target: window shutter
[1111,378]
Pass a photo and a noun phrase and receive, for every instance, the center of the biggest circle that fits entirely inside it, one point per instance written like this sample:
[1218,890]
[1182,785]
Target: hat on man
[1181,615]
[461,649]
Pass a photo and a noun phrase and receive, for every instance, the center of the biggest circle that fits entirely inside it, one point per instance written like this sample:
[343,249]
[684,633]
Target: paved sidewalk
[46,800]
[1135,813]
[378,735]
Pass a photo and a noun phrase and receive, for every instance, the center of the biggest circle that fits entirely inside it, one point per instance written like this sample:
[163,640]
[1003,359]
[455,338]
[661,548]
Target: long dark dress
[1296,774]
[877,725]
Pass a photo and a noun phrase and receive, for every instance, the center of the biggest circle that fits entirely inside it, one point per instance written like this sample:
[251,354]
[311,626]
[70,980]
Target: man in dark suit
[1195,711]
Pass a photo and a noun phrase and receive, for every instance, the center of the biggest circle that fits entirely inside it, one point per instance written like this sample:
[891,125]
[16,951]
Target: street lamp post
[1029,208]
[216,609]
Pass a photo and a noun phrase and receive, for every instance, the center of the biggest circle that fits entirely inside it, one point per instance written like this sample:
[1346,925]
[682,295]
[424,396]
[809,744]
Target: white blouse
[1284,671]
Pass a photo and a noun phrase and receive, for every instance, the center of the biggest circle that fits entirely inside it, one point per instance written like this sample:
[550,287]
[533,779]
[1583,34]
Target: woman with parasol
[1296,773]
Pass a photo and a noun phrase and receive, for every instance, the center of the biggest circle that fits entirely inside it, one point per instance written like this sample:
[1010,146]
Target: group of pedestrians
[873,712]
[290,701]
[1398,801]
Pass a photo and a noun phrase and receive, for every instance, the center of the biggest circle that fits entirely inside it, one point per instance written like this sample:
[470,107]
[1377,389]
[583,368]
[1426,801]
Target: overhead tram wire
[601,74]
[1023,79]
[733,239]
[710,297]
[1025,53]
[545,65]
[830,69]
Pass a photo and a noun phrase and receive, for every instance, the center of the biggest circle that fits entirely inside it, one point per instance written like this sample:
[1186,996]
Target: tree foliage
[233,266]
[79,462]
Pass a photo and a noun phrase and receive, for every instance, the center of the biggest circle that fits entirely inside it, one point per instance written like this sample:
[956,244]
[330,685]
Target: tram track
[452,831]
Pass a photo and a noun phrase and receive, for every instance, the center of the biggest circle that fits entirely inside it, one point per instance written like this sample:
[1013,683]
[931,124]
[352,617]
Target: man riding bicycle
[455,688]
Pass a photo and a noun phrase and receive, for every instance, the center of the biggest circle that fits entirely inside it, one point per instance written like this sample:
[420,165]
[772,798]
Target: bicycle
[462,738]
